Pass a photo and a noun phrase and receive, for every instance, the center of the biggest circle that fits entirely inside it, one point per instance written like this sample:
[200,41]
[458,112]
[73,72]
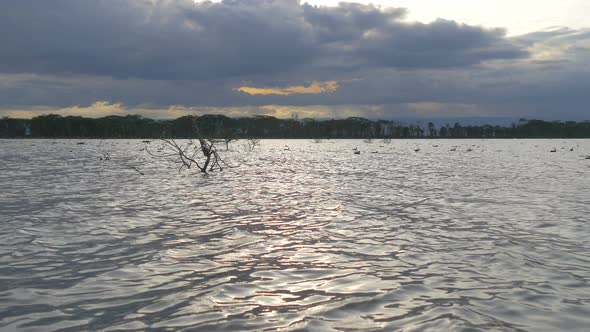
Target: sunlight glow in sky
[313,88]
[517,16]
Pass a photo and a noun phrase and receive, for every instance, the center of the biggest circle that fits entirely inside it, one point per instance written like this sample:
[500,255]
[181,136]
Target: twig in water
[137,170]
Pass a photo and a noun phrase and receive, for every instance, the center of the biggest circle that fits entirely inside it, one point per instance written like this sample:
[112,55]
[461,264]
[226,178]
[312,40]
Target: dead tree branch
[252,143]
[200,153]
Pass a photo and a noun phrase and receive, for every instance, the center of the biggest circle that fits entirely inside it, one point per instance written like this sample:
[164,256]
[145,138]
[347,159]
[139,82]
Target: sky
[325,59]
[517,16]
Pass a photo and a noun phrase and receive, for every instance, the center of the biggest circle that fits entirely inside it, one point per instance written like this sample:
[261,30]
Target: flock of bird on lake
[357,151]
[454,149]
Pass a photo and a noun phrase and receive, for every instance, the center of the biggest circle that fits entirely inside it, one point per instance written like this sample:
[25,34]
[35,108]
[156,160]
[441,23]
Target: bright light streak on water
[312,238]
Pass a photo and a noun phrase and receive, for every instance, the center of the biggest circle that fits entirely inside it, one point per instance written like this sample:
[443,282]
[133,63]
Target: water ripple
[313,238]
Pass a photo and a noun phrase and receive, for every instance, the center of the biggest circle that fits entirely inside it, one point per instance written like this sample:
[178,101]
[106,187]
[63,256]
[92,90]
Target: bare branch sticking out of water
[107,157]
[201,153]
[251,144]
[137,170]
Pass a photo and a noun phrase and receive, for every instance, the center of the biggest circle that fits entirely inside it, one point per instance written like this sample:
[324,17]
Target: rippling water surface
[310,238]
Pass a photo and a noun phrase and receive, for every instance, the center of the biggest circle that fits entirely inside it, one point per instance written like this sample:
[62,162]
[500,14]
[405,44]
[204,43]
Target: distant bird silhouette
[357,152]
[354,149]
[572,149]
[417,150]
[553,150]
[469,150]
[454,149]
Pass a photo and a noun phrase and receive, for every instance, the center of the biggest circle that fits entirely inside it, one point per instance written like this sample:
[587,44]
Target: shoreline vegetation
[223,127]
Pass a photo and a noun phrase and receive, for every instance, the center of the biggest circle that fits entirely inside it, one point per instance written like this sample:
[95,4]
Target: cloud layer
[184,40]
[253,53]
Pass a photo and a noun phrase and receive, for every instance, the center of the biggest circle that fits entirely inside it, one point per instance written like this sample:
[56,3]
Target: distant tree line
[220,126]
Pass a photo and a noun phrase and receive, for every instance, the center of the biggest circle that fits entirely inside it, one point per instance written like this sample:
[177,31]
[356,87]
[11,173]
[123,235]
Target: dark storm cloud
[148,54]
[348,21]
[438,44]
[183,40]
[151,39]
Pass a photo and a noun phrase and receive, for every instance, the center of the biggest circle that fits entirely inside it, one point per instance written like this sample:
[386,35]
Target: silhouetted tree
[224,128]
[431,129]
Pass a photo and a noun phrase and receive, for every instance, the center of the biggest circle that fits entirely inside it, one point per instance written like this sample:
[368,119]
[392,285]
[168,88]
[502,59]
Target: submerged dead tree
[226,136]
[228,140]
[252,143]
[201,153]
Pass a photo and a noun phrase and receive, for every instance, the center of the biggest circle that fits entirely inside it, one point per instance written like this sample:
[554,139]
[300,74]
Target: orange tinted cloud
[314,88]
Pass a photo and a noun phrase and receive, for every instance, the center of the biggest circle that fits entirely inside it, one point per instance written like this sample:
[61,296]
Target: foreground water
[299,236]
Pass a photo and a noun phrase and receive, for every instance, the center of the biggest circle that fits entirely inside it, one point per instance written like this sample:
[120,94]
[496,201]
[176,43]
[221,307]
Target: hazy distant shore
[220,126]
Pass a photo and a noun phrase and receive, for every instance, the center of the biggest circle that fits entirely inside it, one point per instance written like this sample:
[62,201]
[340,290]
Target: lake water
[310,238]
